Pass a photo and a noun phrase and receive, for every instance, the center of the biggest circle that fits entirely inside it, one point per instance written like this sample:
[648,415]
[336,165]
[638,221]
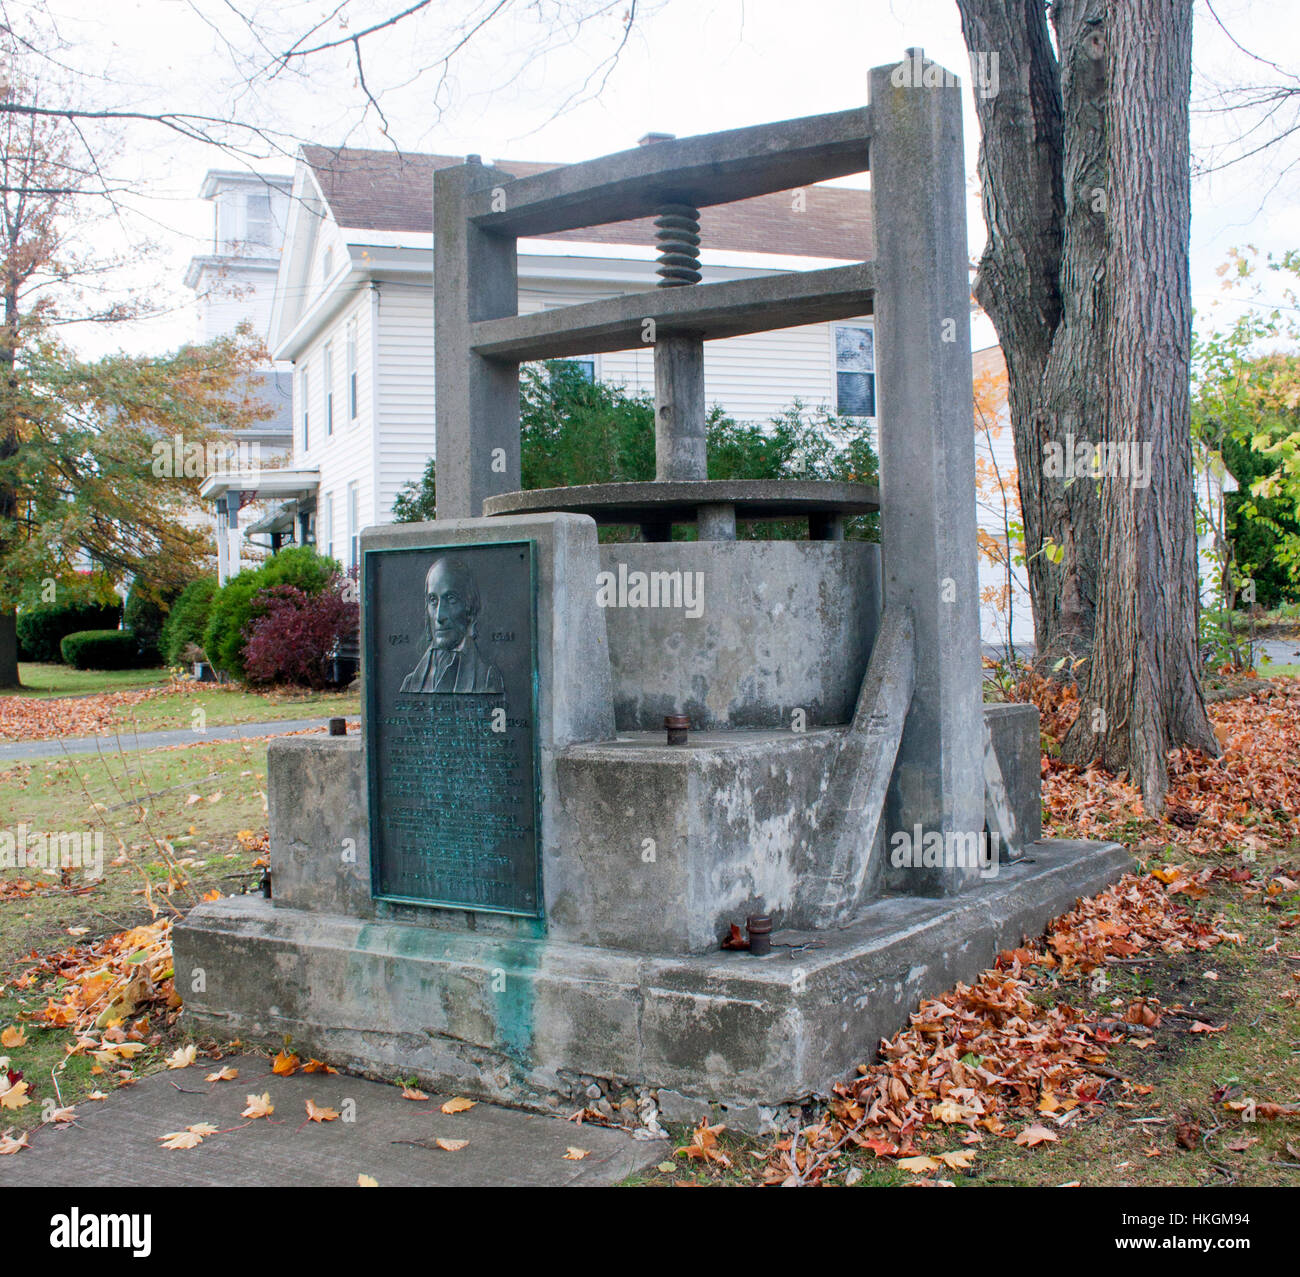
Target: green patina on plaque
[451,711]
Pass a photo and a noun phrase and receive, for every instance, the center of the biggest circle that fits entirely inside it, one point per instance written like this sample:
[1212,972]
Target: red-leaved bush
[288,642]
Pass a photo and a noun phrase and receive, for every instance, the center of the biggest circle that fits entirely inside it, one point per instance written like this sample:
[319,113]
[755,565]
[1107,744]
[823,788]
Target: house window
[855,370]
[327,375]
[258,228]
[329,524]
[587,367]
[353,520]
[304,414]
[352,369]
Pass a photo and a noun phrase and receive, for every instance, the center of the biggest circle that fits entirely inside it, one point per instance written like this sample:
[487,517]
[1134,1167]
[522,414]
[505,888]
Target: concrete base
[520,1020]
[736,822]
[1017,741]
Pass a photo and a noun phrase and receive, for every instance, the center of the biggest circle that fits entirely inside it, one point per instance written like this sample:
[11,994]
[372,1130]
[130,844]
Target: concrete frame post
[927,460]
[476,399]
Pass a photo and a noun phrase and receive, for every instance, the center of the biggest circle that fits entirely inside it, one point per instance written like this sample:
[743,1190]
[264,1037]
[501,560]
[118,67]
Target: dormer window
[259,230]
[245,222]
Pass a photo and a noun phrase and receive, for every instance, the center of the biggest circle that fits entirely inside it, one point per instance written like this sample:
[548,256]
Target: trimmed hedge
[185,622]
[103,650]
[240,601]
[41,630]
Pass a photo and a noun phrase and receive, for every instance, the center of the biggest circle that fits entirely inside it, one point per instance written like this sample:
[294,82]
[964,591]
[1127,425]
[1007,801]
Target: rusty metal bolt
[678,727]
[759,926]
[338,726]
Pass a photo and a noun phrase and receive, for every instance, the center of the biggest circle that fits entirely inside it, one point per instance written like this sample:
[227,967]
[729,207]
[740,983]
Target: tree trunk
[1142,694]
[1073,393]
[9,650]
[9,444]
[1042,170]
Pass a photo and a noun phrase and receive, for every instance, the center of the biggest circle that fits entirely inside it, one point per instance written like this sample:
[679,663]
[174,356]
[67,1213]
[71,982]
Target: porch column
[232,534]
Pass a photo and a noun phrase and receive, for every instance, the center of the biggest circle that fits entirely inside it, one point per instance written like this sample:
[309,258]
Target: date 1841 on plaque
[451,709]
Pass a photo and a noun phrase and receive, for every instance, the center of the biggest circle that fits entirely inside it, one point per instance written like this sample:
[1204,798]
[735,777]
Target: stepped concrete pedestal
[520,1020]
[625,980]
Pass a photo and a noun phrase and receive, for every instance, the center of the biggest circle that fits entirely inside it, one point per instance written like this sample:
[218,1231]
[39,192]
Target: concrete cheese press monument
[516,880]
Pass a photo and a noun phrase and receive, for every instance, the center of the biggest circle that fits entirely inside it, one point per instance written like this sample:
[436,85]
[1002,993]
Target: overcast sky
[525,87]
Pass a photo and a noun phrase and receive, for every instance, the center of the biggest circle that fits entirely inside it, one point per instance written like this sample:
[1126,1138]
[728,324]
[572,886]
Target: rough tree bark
[9,444]
[1042,279]
[1142,694]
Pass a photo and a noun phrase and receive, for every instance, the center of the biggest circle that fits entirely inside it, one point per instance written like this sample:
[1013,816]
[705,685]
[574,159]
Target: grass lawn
[1279,671]
[136,800]
[57,701]
[182,706]
[62,680]
[195,798]
[1281,622]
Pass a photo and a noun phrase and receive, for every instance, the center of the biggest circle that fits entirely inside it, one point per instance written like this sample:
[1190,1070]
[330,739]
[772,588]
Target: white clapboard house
[353,316]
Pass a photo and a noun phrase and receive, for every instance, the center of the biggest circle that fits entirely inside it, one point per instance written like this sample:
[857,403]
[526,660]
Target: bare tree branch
[295,52]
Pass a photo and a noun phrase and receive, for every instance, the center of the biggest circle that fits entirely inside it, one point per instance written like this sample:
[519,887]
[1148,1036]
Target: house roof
[387,191]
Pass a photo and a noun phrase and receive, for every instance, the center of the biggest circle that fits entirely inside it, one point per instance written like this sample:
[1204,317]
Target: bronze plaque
[451,713]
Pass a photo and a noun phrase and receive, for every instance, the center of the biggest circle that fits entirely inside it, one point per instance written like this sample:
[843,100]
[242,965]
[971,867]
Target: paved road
[114,1142]
[133,741]
[1279,651]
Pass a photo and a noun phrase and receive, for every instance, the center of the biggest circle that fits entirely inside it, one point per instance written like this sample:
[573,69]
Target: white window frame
[354,519]
[304,407]
[329,524]
[327,381]
[269,242]
[351,356]
[835,330]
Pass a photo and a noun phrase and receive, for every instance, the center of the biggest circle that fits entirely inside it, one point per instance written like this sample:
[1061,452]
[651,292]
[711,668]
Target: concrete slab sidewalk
[114,1142]
[134,741]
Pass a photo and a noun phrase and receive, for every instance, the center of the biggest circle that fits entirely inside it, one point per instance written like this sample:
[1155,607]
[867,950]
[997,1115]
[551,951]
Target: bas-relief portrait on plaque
[451,662]
[450,679]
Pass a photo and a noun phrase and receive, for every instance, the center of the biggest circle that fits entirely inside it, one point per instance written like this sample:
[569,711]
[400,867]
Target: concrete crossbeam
[711,168]
[709,311]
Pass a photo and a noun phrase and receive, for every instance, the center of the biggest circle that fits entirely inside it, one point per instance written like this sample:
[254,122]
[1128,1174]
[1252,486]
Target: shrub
[1259,526]
[145,614]
[573,431]
[102,650]
[289,641]
[241,600]
[184,625]
[42,629]
[418,501]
